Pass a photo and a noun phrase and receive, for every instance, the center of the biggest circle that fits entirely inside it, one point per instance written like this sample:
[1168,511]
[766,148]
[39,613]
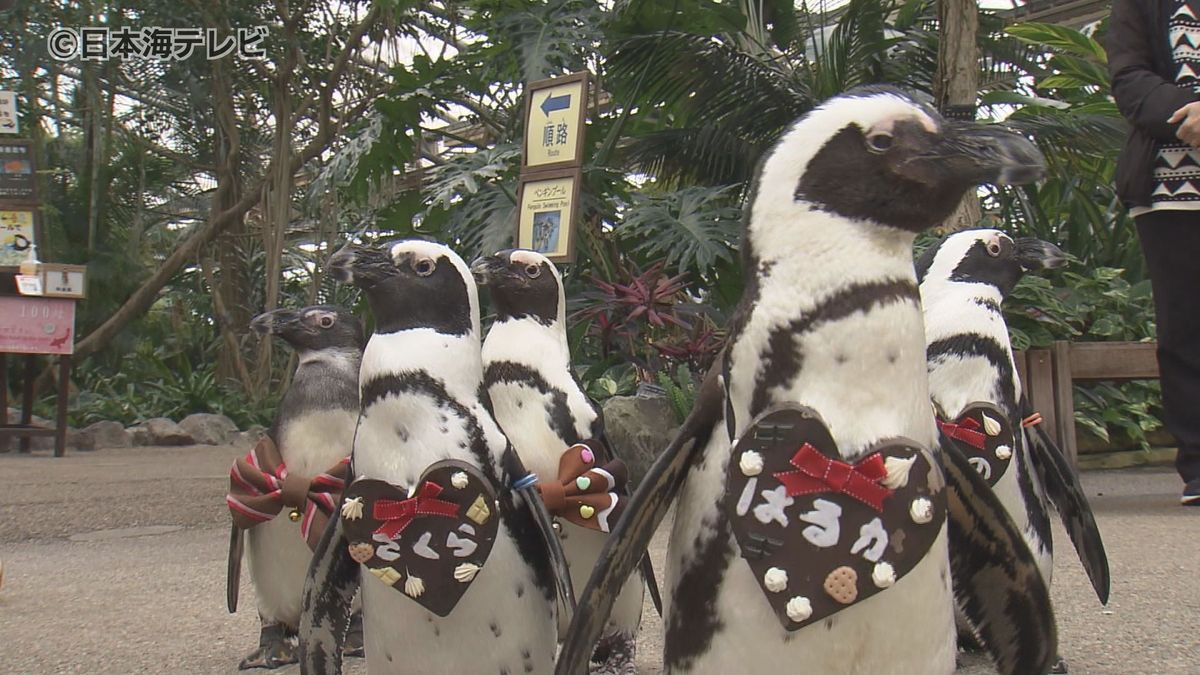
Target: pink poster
[37,325]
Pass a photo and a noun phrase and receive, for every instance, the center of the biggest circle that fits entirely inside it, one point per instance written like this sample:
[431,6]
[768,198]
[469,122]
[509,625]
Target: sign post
[552,165]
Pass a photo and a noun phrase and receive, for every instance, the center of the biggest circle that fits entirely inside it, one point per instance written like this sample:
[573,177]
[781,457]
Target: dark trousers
[1171,244]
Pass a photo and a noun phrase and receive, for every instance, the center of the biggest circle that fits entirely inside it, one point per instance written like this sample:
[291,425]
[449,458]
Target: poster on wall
[547,215]
[16,235]
[17,179]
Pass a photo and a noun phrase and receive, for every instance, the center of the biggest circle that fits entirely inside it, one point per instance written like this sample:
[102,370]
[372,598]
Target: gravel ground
[114,562]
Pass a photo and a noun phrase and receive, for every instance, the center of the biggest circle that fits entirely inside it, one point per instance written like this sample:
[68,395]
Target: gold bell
[295,515]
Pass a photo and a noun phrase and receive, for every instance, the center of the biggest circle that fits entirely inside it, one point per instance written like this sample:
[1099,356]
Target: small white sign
[63,281]
[8,113]
[29,284]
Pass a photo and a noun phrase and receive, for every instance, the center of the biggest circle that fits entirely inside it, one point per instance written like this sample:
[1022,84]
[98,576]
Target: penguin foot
[275,650]
[354,638]
[615,655]
[1060,666]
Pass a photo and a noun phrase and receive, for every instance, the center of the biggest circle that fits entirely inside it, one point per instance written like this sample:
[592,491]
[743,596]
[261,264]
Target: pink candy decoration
[586,455]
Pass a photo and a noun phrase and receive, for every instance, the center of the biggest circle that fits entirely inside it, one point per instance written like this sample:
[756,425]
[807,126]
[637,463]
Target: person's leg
[1171,244]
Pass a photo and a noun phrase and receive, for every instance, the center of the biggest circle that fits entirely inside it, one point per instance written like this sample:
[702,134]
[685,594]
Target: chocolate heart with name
[985,437]
[820,533]
[429,544]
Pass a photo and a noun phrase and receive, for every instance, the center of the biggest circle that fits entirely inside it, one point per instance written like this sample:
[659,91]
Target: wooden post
[60,422]
[956,86]
[27,398]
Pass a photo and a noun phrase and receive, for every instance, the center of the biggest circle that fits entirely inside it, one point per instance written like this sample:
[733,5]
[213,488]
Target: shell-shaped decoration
[991,426]
[352,509]
[775,579]
[465,572]
[414,586]
[1003,452]
[459,480]
[799,608]
[884,575]
[897,471]
[751,463]
[921,510]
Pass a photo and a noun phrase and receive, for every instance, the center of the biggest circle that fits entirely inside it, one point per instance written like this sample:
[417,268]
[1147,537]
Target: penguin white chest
[524,412]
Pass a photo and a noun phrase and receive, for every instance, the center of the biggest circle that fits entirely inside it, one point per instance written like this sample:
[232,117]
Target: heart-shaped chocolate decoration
[821,534]
[586,511]
[583,482]
[430,545]
[985,437]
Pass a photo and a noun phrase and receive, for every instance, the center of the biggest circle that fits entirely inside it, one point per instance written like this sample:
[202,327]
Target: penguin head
[883,155]
[522,283]
[314,328]
[988,257]
[412,283]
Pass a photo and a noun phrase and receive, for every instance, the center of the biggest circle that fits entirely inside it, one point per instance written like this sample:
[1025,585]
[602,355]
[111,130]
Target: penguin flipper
[628,543]
[997,584]
[647,566]
[325,608]
[528,492]
[233,572]
[1065,491]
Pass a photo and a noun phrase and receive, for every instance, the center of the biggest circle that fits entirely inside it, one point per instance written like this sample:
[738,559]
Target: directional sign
[8,113]
[555,111]
[548,205]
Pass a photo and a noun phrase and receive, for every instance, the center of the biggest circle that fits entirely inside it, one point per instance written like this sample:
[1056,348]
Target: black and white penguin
[310,437]
[542,408]
[456,574]
[964,279]
[820,523]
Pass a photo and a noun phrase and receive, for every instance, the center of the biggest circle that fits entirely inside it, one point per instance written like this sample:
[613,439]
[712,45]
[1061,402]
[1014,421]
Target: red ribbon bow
[818,473]
[396,515]
[966,431]
[261,486]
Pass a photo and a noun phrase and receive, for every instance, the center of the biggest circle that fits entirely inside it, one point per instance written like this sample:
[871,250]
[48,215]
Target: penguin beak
[275,322]
[363,267]
[487,268]
[978,154]
[1035,254]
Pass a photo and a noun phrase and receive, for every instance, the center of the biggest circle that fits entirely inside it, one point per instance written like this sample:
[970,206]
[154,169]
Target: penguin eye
[326,321]
[424,267]
[533,271]
[879,142]
[993,248]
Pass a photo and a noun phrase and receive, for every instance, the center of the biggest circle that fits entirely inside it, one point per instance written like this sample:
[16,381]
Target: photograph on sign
[547,217]
[8,113]
[17,178]
[555,111]
[16,236]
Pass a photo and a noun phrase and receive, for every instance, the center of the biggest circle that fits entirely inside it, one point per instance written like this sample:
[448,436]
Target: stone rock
[639,427]
[139,434]
[100,435]
[208,429]
[250,437]
[162,431]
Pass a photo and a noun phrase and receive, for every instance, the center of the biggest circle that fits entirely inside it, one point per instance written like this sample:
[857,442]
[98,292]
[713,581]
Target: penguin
[311,436]
[457,575]
[822,524]
[542,408]
[964,279]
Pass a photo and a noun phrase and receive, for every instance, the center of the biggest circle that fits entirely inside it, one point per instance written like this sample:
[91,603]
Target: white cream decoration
[799,608]
[884,575]
[1003,452]
[352,509]
[991,426]
[921,510]
[775,579]
[414,586]
[897,471]
[459,480]
[751,463]
[466,572]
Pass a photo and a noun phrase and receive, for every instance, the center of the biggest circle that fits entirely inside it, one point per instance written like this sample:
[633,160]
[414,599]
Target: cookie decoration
[584,493]
[985,437]
[821,533]
[431,545]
